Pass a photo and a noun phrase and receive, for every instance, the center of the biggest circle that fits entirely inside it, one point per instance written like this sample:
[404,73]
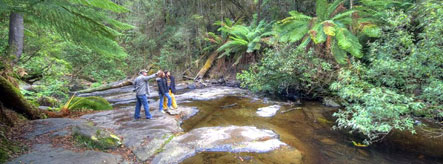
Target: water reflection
[307,129]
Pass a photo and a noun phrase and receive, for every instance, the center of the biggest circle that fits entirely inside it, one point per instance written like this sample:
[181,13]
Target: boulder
[330,102]
[97,137]
[268,111]
[233,139]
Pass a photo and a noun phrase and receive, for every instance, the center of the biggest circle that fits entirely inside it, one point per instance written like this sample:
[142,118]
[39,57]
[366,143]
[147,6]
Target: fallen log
[13,99]
[106,87]
[286,111]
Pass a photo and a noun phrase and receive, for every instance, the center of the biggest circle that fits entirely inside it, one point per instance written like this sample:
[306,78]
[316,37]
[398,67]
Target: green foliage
[372,110]
[244,39]
[89,103]
[286,67]
[75,20]
[403,79]
[329,25]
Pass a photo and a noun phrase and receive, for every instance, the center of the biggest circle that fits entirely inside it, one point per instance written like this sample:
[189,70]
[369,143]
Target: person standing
[141,87]
[170,82]
[162,91]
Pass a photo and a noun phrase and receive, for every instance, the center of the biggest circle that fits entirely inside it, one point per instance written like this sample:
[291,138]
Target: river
[308,129]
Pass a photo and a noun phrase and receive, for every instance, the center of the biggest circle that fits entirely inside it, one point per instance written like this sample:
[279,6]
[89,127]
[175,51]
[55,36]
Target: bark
[16,35]
[259,10]
[207,65]
[12,99]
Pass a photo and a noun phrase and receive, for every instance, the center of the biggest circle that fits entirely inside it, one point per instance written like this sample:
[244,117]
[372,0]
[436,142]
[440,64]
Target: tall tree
[84,22]
[16,35]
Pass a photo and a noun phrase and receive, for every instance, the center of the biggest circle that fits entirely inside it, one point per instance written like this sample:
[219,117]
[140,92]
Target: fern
[80,21]
[244,39]
[321,7]
[330,24]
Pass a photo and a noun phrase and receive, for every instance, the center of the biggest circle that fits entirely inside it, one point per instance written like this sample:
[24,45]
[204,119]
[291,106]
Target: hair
[166,73]
[161,74]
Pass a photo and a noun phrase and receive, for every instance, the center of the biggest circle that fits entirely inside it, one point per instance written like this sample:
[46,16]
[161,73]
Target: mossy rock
[90,103]
[47,101]
[95,138]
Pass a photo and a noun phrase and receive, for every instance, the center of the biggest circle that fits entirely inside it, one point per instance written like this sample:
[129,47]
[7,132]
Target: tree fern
[328,27]
[244,39]
[80,21]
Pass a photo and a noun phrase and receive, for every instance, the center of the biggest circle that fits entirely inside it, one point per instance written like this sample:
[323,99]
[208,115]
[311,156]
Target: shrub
[285,67]
[403,79]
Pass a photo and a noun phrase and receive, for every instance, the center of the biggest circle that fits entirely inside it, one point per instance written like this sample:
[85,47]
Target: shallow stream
[307,129]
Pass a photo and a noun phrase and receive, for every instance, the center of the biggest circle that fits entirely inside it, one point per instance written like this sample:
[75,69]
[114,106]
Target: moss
[15,100]
[97,143]
[7,147]
[89,103]
[102,140]
[47,101]
[159,150]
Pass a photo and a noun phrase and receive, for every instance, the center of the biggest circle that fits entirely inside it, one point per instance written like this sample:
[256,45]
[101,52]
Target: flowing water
[307,129]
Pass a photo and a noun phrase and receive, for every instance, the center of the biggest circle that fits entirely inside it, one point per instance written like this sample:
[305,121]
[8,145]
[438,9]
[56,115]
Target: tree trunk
[207,65]
[106,87]
[12,99]
[259,10]
[16,35]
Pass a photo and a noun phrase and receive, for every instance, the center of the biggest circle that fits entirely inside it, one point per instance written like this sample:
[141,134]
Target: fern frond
[339,55]
[102,4]
[317,34]
[348,42]
[342,15]
[333,6]
[321,7]
[293,31]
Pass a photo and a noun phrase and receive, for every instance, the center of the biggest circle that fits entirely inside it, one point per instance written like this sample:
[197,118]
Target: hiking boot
[162,111]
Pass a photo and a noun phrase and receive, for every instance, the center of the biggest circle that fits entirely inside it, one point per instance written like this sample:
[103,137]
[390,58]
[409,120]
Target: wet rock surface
[218,139]
[46,154]
[43,153]
[143,137]
[46,126]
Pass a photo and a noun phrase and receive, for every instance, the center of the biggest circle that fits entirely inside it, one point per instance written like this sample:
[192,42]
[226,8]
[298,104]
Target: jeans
[161,100]
[142,100]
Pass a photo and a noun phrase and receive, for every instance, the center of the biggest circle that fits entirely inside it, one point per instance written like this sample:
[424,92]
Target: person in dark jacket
[170,82]
[163,91]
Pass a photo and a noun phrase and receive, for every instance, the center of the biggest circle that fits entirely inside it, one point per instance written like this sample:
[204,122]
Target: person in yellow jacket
[170,83]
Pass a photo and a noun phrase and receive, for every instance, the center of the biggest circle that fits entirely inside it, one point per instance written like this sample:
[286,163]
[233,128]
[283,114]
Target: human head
[160,74]
[143,72]
[167,73]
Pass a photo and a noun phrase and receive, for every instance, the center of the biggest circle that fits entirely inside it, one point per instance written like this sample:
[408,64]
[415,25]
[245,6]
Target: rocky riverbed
[215,124]
[159,140]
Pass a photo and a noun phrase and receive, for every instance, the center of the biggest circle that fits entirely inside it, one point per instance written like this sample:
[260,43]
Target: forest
[380,60]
